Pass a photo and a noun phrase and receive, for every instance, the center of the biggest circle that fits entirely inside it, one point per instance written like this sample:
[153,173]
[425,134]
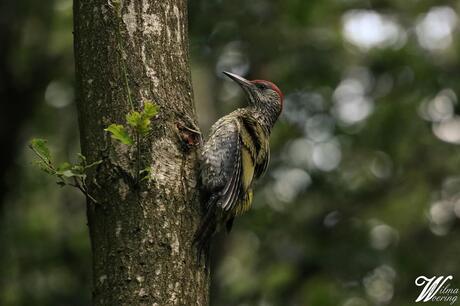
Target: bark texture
[141,236]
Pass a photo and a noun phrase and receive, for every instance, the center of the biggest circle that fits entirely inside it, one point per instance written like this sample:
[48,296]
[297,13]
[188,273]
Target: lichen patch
[178,27]
[151,73]
[175,245]
[130,19]
[151,25]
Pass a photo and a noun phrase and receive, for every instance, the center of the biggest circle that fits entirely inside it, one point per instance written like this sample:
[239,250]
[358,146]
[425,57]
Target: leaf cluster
[72,174]
[138,124]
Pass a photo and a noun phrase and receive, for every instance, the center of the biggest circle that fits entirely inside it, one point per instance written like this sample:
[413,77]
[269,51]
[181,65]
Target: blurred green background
[362,193]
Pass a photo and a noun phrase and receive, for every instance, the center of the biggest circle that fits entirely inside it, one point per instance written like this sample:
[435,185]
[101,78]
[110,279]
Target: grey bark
[140,235]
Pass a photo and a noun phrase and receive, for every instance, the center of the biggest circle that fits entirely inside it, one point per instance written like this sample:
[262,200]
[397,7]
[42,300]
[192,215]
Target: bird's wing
[221,162]
[231,192]
[262,163]
[257,142]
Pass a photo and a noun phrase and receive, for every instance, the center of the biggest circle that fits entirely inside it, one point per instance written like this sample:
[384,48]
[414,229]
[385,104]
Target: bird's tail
[207,228]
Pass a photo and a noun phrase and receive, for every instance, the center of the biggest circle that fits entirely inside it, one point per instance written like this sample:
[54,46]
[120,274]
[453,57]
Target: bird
[234,156]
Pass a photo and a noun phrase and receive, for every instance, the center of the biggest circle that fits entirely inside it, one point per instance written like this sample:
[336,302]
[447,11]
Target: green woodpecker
[235,155]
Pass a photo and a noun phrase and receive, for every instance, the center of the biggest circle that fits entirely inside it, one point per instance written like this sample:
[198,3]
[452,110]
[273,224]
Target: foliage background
[362,192]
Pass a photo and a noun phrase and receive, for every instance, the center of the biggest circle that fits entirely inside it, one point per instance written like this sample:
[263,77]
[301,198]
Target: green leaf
[67,173]
[139,122]
[150,109]
[68,170]
[119,133]
[45,167]
[64,166]
[133,118]
[144,126]
[40,147]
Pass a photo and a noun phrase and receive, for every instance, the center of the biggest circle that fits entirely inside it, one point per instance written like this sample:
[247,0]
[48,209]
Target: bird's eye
[261,86]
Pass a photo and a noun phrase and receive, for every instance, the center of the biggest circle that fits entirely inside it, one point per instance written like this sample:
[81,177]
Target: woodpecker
[236,154]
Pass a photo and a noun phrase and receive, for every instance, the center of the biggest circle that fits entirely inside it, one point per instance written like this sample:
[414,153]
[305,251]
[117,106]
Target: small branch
[138,149]
[82,187]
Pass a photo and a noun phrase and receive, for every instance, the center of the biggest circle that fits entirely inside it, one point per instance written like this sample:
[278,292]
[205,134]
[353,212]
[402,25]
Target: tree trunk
[128,51]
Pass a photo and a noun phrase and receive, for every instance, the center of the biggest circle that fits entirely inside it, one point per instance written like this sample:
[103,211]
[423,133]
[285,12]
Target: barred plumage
[235,155]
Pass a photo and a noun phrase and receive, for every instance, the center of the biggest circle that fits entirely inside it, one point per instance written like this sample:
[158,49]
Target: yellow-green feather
[245,203]
[248,168]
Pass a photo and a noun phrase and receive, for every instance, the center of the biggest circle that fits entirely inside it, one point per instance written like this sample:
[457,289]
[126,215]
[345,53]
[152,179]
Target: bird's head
[263,95]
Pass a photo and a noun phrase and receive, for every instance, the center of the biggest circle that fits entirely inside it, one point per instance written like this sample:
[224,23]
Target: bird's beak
[246,85]
[240,80]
